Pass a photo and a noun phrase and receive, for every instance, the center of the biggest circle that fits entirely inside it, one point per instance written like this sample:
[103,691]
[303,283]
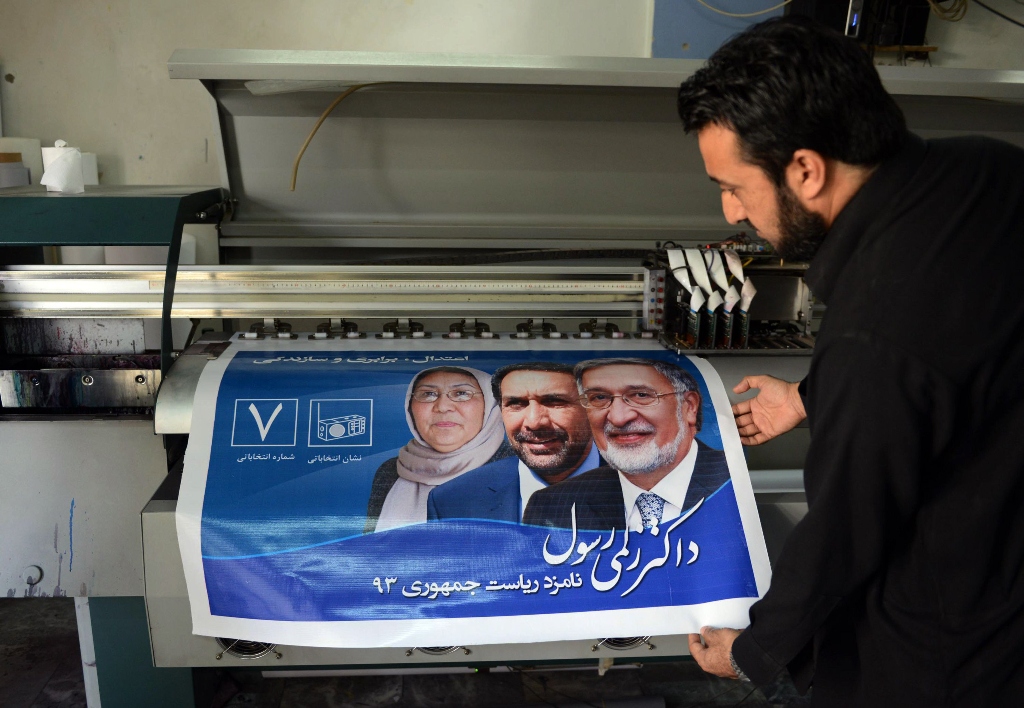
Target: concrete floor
[40,664]
[40,667]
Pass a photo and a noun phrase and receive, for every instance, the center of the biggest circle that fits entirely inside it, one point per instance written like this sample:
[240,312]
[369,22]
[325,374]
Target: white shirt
[672,489]
[530,481]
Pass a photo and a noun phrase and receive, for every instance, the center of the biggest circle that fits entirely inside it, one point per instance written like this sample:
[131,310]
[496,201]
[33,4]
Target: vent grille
[438,651]
[243,648]
[623,643]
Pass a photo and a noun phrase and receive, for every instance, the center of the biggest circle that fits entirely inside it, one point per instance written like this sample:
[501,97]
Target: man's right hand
[776,409]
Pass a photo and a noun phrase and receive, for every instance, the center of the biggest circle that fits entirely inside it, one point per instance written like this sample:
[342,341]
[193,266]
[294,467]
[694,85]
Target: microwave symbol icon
[343,426]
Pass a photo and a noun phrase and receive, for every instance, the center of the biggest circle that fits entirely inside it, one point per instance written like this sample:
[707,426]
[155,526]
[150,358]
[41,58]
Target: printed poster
[436,492]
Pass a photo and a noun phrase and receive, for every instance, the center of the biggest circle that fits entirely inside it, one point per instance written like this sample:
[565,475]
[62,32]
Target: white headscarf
[421,467]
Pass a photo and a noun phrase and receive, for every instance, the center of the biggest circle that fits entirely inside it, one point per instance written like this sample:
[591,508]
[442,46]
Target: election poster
[375,493]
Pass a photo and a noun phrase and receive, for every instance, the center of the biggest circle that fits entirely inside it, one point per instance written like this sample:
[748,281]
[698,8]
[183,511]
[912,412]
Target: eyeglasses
[639,398]
[455,395]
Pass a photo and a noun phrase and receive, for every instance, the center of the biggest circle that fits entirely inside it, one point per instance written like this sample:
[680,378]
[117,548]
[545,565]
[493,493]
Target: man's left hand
[714,658]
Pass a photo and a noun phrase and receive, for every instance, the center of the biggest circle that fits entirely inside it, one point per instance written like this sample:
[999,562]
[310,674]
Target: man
[644,415]
[904,583]
[547,429]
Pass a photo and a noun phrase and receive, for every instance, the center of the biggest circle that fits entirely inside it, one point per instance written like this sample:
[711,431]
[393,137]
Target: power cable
[745,14]
[334,104]
[996,12]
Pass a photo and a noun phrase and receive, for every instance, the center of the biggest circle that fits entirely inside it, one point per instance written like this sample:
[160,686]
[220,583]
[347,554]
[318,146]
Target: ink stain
[71,535]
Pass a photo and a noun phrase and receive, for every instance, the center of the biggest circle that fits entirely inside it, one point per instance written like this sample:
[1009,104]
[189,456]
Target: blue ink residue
[71,535]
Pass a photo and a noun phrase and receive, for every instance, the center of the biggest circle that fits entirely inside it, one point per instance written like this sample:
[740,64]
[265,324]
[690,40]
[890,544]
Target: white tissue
[62,169]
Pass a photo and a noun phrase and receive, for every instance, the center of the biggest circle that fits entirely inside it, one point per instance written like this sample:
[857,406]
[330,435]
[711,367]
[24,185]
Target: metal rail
[334,291]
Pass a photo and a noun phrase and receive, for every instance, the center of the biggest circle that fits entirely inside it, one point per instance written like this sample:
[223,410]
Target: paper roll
[31,155]
[62,169]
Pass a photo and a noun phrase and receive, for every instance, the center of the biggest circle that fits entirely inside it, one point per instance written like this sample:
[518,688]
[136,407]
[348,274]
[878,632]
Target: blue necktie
[651,506]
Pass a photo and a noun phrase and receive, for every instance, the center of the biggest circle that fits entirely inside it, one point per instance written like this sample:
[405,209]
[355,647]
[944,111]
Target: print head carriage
[614,438]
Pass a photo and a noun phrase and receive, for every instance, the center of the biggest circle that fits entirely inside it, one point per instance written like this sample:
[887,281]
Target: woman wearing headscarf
[456,427]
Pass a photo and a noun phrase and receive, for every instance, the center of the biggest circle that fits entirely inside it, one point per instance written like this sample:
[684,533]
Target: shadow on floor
[676,684]
[40,667]
[40,663]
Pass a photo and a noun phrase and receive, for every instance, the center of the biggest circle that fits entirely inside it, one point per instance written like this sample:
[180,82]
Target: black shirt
[904,583]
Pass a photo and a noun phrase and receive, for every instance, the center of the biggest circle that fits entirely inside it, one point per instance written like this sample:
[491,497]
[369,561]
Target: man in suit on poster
[644,415]
[548,430]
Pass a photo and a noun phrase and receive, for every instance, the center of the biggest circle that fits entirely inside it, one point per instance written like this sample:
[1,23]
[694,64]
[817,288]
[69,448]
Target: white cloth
[672,489]
[530,481]
[421,467]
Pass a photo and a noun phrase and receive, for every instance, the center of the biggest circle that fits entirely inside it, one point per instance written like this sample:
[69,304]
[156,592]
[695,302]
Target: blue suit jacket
[488,492]
[597,495]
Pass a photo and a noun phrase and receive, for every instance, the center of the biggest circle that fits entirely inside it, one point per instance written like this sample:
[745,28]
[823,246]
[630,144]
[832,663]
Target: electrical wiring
[996,12]
[745,14]
[334,104]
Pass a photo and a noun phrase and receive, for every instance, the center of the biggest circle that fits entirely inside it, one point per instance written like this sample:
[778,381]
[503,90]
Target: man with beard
[547,429]
[645,415]
[904,583]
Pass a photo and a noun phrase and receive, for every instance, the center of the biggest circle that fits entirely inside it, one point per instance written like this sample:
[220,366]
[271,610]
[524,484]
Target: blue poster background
[296,442]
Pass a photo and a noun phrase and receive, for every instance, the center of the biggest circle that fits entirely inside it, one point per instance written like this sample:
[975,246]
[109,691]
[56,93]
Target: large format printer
[445,196]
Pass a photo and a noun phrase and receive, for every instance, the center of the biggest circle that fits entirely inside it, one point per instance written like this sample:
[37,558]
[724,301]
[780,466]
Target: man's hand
[714,658]
[776,409]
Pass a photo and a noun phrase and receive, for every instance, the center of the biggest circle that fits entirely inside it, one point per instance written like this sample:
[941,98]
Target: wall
[685,29]
[95,73]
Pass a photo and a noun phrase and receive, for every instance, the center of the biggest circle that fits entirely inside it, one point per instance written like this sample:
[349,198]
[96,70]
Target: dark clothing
[490,492]
[386,476]
[904,584]
[597,495]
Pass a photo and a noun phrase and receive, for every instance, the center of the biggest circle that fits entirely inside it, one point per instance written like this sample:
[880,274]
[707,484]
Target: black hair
[788,84]
[682,381]
[504,371]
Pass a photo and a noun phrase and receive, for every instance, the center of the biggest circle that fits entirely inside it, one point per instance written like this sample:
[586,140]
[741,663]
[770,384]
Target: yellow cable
[323,117]
[745,14]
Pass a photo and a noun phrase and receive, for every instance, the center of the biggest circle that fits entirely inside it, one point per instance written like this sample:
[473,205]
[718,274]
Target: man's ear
[807,175]
[691,404]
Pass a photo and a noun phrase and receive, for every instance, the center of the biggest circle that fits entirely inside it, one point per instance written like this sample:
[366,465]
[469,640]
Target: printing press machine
[468,197]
